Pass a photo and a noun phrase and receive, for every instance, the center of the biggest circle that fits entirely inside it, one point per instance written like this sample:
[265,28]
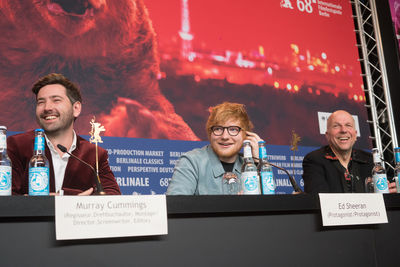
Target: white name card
[352,209]
[84,217]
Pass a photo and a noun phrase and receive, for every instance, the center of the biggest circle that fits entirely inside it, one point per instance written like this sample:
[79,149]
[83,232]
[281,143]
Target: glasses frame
[227,129]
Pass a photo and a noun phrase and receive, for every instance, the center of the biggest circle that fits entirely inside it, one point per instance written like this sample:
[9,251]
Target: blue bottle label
[5,180]
[263,152]
[250,182]
[39,143]
[3,141]
[268,184]
[397,156]
[381,183]
[39,181]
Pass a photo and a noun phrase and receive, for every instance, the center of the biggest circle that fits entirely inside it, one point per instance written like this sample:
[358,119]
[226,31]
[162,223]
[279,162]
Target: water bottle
[265,171]
[249,178]
[39,178]
[5,165]
[397,168]
[379,174]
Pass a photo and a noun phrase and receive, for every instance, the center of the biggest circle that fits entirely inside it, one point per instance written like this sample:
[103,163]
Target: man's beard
[226,154]
[54,130]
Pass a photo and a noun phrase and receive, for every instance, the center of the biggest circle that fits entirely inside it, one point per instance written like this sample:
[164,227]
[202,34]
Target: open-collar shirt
[60,162]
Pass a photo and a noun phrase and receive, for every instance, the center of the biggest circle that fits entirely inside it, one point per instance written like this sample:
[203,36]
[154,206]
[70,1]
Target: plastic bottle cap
[39,130]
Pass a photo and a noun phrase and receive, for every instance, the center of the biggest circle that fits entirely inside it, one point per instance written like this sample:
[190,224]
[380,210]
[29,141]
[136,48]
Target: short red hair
[227,111]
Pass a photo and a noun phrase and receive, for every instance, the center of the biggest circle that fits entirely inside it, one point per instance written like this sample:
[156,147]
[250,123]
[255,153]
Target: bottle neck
[39,146]
[3,140]
[38,152]
[247,156]
[397,157]
[262,153]
[377,159]
[247,151]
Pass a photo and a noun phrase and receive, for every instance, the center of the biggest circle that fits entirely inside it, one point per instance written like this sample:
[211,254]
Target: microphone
[99,187]
[291,179]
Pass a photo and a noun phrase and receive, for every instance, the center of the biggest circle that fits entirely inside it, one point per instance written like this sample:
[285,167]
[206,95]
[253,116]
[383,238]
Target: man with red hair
[200,171]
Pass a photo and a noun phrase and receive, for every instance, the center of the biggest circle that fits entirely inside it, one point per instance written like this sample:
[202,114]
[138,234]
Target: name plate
[85,217]
[352,209]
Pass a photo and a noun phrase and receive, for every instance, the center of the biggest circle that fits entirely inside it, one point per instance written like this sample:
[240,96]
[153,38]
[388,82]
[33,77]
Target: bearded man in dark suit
[58,104]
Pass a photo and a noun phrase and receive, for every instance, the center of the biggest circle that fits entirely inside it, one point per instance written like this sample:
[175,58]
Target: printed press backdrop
[149,70]
[395,14]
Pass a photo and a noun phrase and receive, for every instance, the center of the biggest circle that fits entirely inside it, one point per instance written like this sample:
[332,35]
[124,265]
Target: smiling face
[341,133]
[54,111]
[226,146]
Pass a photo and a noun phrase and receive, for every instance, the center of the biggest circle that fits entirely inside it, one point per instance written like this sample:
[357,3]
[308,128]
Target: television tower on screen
[184,33]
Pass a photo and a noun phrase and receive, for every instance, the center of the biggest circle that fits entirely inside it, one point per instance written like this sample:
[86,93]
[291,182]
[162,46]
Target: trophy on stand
[294,147]
[95,138]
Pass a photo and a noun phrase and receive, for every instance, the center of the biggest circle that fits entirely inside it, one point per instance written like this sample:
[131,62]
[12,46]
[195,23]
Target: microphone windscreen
[62,148]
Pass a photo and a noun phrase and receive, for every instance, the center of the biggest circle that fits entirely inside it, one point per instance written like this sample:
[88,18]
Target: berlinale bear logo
[107,47]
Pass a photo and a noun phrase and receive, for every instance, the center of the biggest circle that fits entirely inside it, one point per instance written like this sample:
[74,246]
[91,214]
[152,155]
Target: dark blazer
[78,177]
[322,172]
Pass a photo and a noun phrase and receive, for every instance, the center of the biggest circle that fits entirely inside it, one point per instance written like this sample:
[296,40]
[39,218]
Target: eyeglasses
[232,130]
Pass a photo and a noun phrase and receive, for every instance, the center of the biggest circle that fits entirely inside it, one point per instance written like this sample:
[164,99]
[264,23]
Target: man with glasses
[200,171]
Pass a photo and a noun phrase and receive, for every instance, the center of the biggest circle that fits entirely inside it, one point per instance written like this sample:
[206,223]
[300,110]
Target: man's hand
[87,192]
[392,187]
[254,139]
